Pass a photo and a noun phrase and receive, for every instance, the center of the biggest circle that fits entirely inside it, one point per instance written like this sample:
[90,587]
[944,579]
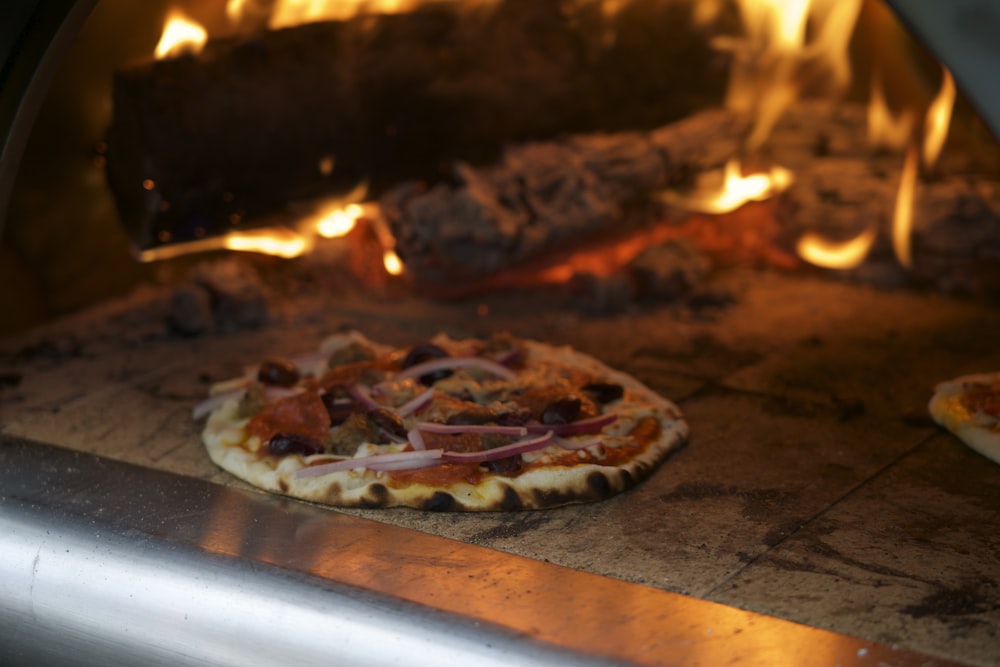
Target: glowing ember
[339,221]
[287,246]
[831,255]
[393,264]
[735,190]
[180,35]
[278,242]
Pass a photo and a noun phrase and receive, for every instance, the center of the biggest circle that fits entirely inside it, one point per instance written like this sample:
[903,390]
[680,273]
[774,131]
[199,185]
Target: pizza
[969,407]
[502,423]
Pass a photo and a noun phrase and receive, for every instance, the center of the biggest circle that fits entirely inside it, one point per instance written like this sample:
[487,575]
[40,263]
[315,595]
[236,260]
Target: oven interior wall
[63,246]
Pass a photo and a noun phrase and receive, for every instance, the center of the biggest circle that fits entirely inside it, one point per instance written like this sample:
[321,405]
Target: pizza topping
[561,411]
[339,406]
[420,354]
[205,407]
[475,414]
[982,398]
[356,430]
[415,403]
[360,394]
[515,448]
[351,353]
[302,413]
[428,369]
[604,392]
[398,461]
[563,403]
[285,444]
[389,423]
[583,426]
[278,372]
[509,466]
[432,427]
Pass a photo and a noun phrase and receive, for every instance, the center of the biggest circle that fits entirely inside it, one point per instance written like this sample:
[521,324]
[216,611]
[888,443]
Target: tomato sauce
[444,475]
[982,398]
[302,413]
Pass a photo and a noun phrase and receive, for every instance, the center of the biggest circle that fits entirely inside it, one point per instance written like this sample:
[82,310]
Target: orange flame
[886,130]
[831,255]
[734,191]
[938,119]
[180,35]
[902,217]
[767,74]
[338,221]
[288,13]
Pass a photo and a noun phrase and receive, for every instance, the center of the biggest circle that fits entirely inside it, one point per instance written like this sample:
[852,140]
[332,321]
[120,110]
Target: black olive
[278,372]
[472,417]
[561,411]
[388,422]
[604,392]
[509,465]
[418,354]
[285,444]
[338,407]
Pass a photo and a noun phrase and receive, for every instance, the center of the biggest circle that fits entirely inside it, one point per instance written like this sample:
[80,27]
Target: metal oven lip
[105,562]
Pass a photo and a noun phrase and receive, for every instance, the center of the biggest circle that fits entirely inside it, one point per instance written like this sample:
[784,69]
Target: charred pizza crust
[969,407]
[645,430]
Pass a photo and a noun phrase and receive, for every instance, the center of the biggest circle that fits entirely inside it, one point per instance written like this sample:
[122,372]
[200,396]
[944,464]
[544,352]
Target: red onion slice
[414,404]
[361,395]
[583,426]
[434,427]
[417,440]
[215,400]
[418,459]
[447,363]
[520,447]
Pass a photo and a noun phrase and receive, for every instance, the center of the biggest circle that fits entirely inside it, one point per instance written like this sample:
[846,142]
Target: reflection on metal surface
[114,564]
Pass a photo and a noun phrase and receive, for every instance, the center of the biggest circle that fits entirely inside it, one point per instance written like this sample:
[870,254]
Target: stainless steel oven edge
[103,562]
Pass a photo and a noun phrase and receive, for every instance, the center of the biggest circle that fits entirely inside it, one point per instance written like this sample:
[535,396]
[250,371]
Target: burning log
[199,143]
[545,196]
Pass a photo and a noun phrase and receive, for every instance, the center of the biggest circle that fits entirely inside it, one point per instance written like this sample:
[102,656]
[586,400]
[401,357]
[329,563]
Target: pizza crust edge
[947,410]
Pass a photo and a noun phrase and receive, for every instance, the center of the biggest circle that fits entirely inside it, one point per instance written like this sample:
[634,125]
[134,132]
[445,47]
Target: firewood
[199,143]
[544,196]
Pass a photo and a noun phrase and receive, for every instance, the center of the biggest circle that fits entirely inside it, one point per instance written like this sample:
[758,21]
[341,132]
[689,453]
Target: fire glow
[180,35]
[787,47]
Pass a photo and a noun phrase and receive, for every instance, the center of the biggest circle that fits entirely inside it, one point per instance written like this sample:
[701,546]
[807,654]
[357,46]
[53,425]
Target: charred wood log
[199,143]
[543,196]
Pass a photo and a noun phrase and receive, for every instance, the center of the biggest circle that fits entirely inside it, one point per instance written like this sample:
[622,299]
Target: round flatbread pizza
[969,407]
[455,425]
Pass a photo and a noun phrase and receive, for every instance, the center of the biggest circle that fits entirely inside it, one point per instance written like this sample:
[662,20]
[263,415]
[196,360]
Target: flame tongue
[734,191]
[180,35]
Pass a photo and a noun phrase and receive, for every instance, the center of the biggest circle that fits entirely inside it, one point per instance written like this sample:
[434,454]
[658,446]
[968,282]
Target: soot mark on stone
[510,529]
[966,600]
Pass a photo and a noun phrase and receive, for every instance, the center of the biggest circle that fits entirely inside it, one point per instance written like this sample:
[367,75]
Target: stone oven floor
[815,488]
